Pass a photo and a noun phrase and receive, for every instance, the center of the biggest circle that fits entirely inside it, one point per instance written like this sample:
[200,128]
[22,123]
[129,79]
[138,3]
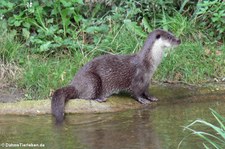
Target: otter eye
[169,37]
[157,36]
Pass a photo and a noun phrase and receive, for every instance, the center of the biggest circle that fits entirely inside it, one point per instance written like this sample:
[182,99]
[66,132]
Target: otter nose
[178,41]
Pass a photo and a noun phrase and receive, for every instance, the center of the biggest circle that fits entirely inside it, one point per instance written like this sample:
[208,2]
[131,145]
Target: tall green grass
[10,56]
[121,40]
[181,26]
[9,47]
[214,134]
[190,63]
[196,59]
[41,73]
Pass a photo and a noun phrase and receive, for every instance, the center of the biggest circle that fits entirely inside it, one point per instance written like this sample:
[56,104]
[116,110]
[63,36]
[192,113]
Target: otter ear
[158,36]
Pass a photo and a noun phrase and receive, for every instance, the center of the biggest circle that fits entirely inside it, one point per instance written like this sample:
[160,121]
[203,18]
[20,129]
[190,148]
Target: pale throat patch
[158,50]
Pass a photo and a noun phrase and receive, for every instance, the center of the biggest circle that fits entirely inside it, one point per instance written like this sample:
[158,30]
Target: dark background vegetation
[44,42]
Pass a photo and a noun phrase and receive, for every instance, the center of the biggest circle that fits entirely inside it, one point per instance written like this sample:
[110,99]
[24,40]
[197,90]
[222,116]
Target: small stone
[215,80]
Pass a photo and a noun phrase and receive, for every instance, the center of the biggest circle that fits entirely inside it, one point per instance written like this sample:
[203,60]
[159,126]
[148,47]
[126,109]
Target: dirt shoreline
[40,107]
[167,93]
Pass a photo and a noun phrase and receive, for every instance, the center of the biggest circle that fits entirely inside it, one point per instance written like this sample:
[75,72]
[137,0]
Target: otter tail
[59,98]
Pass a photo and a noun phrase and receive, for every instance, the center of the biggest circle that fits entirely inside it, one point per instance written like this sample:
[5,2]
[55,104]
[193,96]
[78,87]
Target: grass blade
[217,139]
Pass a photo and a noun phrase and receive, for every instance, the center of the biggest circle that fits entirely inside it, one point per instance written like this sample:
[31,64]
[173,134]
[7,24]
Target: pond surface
[158,127]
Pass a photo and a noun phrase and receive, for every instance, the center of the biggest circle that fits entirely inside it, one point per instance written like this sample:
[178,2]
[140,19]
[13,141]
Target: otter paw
[101,99]
[152,98]
[143,100]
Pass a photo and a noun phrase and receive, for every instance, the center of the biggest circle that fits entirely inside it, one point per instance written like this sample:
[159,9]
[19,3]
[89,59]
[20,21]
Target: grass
[43,75]
[9,73]
[121,41]
[194,61]
[180,25]
[9,47]
[214,134]
[9,57]
[190,63]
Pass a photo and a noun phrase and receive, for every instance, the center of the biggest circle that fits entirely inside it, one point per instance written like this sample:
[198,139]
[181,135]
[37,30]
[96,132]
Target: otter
[109,74]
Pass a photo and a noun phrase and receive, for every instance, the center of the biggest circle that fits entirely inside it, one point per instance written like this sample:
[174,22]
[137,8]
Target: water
[158,127]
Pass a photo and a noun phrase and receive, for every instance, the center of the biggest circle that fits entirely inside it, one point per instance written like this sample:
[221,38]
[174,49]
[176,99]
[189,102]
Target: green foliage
[123,39]
[191,63]
[42,75]
[9,47]
[54,26]
[215,139]
[147,14]
[44,24]
[180,25]
[211,18]
[11,55]
[65,34]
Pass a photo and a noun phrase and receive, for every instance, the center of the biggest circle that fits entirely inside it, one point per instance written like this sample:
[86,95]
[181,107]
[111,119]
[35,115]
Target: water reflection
[132,129]
[147,128]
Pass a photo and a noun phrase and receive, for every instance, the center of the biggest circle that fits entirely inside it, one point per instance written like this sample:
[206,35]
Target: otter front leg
[147,95]
[139,87]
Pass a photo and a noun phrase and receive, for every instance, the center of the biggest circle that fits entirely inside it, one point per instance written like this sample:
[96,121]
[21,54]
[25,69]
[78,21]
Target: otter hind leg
[90,86]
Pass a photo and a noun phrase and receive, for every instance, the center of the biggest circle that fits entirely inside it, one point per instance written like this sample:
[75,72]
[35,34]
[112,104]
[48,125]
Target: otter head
[157,44]
[165,39]
[161,42]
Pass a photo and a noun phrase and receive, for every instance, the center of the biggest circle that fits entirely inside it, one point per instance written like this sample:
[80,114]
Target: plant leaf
[132,26]
[26,33]
[45,46]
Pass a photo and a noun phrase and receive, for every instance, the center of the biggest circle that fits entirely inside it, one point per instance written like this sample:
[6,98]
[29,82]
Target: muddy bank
[10,93]
[37,107]
[174,94]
